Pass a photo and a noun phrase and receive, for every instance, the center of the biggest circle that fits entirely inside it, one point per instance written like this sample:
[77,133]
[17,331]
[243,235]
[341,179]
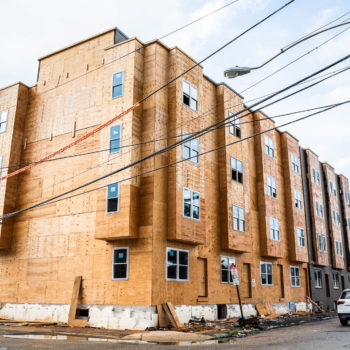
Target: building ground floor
[326,285]
[136,316]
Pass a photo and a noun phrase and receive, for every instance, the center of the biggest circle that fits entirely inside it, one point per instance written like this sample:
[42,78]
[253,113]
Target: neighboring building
[328,249]
[167,235]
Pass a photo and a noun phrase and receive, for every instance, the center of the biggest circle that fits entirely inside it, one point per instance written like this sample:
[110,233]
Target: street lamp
[234,72]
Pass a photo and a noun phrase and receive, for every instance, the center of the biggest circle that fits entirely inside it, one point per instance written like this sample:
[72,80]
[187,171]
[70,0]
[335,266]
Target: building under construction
[166,229]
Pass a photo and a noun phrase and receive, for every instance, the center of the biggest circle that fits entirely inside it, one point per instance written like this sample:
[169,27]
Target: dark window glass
[118,81]
[113,198]
[120,255]
[120,271]
[171,272]
[172,256]
[183,272]
[183,258]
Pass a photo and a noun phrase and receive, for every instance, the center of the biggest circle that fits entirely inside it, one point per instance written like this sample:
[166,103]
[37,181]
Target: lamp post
[237,71]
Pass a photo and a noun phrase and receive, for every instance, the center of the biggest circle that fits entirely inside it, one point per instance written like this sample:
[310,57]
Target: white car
[343,307]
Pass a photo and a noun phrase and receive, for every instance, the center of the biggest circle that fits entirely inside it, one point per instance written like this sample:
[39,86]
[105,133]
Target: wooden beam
[314,304]
[163,320]
[173,314]
[72,321]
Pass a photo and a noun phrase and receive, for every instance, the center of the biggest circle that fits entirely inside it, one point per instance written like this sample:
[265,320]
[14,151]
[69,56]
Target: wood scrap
[72,320]
[163,320]
[266,310]
[171,314]
[314,304]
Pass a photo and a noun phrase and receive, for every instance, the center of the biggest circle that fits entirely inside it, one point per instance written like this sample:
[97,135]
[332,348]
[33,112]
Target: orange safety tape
[71,144]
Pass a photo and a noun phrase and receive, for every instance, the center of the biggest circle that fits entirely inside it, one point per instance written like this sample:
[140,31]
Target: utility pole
[235,282]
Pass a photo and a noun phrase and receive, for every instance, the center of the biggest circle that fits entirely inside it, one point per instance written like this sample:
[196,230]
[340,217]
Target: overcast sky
[32,29]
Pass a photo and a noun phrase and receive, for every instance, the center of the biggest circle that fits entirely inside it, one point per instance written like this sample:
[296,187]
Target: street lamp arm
[298,42]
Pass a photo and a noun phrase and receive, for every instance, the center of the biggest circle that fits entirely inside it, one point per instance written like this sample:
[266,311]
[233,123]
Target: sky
[32,29]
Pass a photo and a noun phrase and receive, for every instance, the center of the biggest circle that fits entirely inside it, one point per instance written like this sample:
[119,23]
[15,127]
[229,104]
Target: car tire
[344,322]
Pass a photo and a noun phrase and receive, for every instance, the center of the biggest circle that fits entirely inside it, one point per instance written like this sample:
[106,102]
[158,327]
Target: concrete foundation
[131,317]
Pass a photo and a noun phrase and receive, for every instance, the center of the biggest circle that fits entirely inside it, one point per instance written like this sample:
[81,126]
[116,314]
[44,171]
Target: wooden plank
[262,310]
[314,304]
[163,321]
[270,309]
[174,315]
[72,321]
[169,315]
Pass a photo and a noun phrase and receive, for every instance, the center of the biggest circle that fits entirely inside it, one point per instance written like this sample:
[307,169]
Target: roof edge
[14,84]
[75,44]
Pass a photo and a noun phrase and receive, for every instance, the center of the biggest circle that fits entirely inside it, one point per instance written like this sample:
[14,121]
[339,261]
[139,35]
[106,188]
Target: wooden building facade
[148,236]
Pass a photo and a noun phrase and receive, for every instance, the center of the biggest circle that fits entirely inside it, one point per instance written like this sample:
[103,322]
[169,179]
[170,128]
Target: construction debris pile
[238,327]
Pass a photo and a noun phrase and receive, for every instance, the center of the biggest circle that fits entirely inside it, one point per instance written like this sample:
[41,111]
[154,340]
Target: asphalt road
[321,335]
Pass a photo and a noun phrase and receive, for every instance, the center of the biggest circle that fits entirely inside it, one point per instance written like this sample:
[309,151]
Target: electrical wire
[197,20]
[146,97]
[207,129]
[175,163]
[295,60]
[172,137]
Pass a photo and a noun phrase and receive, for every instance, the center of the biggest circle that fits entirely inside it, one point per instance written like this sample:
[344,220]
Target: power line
[174,163]
[197,20]
[176,136]
[134,51]
[293,61]
[201,133]
[137,104]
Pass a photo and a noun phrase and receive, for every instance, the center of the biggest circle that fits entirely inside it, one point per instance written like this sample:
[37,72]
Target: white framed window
[295,163]
[274,229]
[225,263]
[115,139]
[235,125]
[321,211]
[269,146]
[298,202]
[339,248]
[177,264]
[318,278]
[120,264]
[301,237]
[347,198]
[238,217]
[313,175]
[113,198]
[324,243]
[335,280]
[318,178]
[3,120]
[332,188]
[191,204]
[338,218]
[189,95]
[266,274]
[333,217]
[118,83]
[321,242]
[271,187]
[236,170]
[190,149]
[294,276]
[317,209]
